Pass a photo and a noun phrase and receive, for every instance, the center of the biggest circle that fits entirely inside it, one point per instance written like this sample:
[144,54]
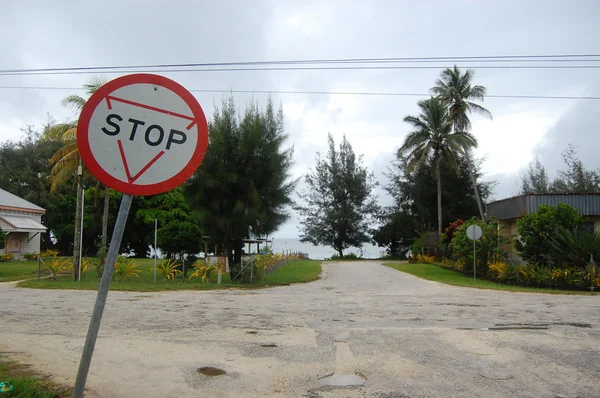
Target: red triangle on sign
[143,170]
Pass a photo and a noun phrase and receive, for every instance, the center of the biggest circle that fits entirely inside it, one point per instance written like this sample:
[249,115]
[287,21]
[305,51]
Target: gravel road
[397,335]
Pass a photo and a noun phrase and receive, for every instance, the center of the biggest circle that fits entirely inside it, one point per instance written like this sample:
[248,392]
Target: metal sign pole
[474,264]
[81,233]
[90,341]
[155,246]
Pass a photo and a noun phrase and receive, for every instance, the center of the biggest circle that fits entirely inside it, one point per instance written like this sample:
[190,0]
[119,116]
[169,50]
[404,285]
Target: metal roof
[8,200]
[520,206]
[22,224]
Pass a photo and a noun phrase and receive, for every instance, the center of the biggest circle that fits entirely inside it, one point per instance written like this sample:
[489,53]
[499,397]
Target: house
[22,222]
[508,211]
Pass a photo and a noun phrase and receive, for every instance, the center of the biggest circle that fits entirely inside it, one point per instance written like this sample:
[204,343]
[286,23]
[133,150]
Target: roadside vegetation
[22,382]
[138,275]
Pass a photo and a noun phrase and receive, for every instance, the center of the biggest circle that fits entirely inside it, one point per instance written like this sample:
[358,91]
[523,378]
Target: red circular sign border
[137,189]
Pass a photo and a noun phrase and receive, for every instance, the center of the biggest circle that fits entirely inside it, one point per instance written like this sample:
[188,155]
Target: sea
[280,245]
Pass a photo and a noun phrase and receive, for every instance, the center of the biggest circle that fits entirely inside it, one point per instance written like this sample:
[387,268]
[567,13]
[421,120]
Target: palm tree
[67,161]
[457,90]
[434,141]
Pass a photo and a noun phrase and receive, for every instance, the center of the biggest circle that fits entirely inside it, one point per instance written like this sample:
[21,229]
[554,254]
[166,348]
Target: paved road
[403,336]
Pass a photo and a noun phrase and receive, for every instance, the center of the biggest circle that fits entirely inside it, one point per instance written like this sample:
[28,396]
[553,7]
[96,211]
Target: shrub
[536,231]
[203,271]
[449,234]
[427,243]
[31,256]
[126,268]
[574,248]
[424,258]
[7,257]
[350,256]
[56,265]
[487,247]
[169,269]
[2,239]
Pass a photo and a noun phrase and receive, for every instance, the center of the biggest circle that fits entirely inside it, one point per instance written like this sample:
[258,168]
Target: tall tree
[339,204]
[576,178]
[67,162]
[244,181]
[459,93]
[434,141]
[535,179]
[414,205]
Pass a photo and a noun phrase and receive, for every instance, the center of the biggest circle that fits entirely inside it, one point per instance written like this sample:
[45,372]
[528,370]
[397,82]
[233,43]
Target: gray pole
[39,259]
[81,232]
[474,264]
[90,341]
[155,246]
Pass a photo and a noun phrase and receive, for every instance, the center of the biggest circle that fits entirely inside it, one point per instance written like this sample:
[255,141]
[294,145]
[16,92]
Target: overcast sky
[38,34]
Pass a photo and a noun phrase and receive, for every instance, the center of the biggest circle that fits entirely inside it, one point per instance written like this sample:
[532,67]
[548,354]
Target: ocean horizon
[322,252]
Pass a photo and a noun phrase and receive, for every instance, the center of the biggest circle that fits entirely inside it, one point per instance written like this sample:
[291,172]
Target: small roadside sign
[474,232]
[142,134]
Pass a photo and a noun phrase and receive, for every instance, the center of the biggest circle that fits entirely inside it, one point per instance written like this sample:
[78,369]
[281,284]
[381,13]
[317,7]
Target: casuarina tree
[339,203]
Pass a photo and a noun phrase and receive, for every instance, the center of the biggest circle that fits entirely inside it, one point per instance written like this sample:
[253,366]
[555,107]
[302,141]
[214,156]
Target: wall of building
[30,241]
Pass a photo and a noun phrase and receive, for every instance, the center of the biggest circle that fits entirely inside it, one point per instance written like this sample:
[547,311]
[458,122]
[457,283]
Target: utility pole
[77,237]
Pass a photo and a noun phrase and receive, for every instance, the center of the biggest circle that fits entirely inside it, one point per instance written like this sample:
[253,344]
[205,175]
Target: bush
[427,243]
[488,251]
[126,268]
[31,256]
[575,248]
[2,239]
[168,269]
[203,271]
[350,256]
[424,258]
[536,231]
[449,234]
[7,257]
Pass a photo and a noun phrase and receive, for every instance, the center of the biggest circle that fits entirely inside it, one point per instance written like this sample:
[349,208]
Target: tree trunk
[105,217]
[439,197]
[76,238]
[340,253]
[471,165]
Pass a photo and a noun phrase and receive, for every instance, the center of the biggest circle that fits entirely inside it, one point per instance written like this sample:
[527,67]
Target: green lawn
[26,383]
[18,270]
[294,272]
[436,273]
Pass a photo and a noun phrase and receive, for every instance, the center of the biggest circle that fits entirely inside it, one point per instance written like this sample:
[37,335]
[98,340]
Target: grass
[18,270]
[294,272]
[436,273]
[26,383]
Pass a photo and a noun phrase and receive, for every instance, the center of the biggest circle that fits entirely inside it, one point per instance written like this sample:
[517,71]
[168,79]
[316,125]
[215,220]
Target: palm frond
[74,102]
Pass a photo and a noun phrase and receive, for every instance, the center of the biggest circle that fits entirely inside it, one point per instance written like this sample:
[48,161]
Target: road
[397,335]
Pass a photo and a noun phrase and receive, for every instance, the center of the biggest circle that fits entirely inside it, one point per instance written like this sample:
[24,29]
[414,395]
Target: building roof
[8,201]
[21,224]
[587,204]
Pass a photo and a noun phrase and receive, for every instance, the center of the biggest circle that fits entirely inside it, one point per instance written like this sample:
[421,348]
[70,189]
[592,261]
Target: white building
[22,222]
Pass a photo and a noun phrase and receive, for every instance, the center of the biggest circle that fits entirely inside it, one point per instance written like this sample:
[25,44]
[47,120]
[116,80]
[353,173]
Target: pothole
[269,345]
[252,332]
[334,380]
[211,371]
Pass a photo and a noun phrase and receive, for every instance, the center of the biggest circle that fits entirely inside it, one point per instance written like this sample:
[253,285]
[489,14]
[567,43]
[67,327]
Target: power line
[358,93]
[490,58]
[310,68]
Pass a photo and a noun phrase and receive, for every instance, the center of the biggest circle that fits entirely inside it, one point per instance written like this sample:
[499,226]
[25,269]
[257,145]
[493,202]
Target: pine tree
[339,204]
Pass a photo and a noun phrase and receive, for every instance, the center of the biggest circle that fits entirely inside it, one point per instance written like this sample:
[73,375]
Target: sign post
[139,134]
[474,232]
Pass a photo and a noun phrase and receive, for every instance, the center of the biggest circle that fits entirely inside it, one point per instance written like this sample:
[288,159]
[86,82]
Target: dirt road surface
[389,333]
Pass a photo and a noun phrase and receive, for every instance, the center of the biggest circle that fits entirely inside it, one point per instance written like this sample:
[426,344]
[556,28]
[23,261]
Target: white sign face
[142,134]
[474,232]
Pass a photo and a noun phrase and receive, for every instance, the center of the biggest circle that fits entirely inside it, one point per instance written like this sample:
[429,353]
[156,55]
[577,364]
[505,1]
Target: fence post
[39,266]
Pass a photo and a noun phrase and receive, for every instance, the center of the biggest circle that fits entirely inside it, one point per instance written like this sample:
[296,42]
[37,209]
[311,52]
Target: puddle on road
[211,371]
[334,380]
